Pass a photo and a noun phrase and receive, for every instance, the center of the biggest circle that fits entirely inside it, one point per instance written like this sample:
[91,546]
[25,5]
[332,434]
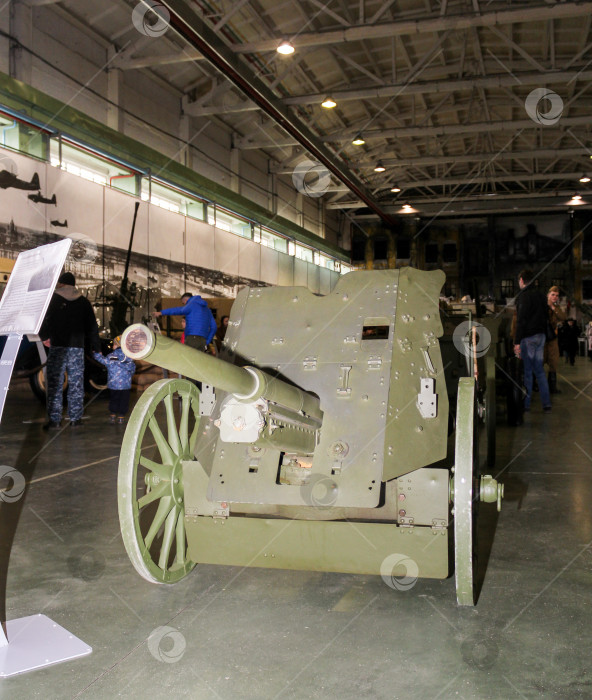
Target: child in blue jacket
[119,380]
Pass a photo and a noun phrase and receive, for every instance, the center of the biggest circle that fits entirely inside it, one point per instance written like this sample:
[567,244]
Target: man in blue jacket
[200,324]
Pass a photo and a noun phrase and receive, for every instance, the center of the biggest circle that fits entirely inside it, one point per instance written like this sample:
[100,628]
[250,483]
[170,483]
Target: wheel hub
[177,482]
[152,480]
[490,491]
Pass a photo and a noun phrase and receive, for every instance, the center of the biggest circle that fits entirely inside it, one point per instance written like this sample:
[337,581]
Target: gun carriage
[317,444]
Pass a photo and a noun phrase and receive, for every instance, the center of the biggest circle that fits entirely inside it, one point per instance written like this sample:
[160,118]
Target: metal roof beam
[189,25]
[538,154]
[248,142]
[453,201]
[422,26]
[127,63]
[488,179]
[446,85]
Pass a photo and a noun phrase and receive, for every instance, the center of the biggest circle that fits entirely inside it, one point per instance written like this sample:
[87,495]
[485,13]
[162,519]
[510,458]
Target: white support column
[114,94]
[21,27]
[185,152]
[322,215]
[235,170]
[300,209]
[271,198]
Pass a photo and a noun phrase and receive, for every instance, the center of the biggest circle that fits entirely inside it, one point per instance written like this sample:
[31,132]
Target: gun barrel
[248,384]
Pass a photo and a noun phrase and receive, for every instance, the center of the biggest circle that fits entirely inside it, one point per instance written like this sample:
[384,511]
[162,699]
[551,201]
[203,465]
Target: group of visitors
[70,326]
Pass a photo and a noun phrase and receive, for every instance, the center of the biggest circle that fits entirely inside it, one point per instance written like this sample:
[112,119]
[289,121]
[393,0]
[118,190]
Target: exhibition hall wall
[171,253]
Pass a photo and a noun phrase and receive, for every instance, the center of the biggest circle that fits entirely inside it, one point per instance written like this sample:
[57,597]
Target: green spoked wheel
[161,433]
[465,494]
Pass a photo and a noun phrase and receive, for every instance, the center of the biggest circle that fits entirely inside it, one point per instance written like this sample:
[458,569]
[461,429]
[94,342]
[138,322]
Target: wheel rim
[150,489]
[466,454]
[41,381]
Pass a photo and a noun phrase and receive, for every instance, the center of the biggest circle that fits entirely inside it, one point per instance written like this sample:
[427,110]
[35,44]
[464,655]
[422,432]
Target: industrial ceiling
[468,106]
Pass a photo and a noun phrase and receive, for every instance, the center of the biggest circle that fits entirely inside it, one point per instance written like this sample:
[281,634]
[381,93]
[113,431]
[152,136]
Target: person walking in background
[529,337]
[551,356]
[68,326]
[200,323]
[120,370]
[572,333]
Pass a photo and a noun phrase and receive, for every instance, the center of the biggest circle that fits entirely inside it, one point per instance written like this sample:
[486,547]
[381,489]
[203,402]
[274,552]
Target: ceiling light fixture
[379,167]
[407,209]
[395,189]
[358,141]
[584,178]
[575,201]
[285,48]
[328,103]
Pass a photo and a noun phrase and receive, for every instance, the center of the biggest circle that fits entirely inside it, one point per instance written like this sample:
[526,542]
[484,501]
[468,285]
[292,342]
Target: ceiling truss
[441,92]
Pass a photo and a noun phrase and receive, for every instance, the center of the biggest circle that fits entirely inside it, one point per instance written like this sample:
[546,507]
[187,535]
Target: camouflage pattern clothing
[69,324]
[120,369]
[60,360]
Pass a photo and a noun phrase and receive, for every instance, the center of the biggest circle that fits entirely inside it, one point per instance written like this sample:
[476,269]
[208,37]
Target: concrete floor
[258,633]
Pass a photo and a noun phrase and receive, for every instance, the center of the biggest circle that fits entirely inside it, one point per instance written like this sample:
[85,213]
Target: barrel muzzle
[138,341]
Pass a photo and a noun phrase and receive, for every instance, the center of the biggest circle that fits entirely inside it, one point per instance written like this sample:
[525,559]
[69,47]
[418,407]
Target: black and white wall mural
[170,254]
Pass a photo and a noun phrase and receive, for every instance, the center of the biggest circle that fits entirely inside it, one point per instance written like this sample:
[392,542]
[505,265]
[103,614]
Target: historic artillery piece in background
[317,454]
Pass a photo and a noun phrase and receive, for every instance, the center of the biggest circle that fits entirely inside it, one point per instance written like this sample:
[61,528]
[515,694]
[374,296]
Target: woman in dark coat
[571,333]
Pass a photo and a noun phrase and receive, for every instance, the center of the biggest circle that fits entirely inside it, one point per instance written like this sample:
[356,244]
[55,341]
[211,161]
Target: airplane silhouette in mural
[8,179]
[63,223]
[40,199]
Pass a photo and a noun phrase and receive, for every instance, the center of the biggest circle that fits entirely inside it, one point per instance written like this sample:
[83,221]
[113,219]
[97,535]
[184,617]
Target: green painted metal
[466,455]
[292,416]
[364,350]
[351,504]
[161,507]
[490,409]
[140,343]
[490,491]
[319,344]
[359,548]
[422,498]
[61,117]
[412,441]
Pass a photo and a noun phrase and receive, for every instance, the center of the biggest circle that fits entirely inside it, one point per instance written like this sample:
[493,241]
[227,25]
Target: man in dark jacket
[68,325]
[530,336]
[200,323]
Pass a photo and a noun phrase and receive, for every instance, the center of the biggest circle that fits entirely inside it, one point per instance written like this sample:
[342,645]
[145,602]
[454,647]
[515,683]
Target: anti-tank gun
[320,454]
